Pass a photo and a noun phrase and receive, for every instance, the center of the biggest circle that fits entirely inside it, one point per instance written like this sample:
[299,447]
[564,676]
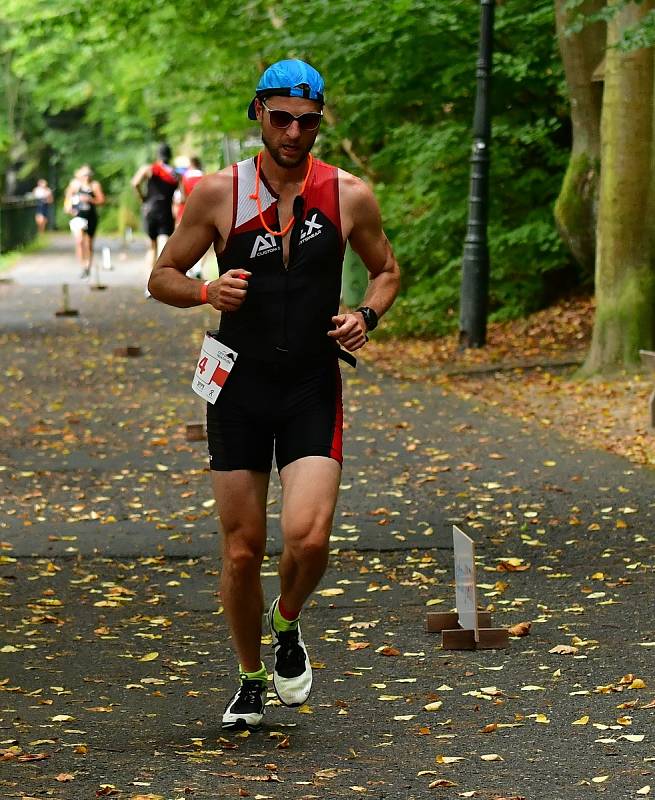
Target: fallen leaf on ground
[520,629]
[563,650]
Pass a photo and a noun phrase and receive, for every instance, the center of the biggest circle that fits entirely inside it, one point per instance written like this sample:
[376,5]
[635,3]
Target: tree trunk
[576,206]
[625,281]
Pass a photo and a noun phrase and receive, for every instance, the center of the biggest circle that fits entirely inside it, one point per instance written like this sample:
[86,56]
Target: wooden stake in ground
[66,310]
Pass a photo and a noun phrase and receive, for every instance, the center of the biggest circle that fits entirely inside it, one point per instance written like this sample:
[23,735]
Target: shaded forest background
[88,81]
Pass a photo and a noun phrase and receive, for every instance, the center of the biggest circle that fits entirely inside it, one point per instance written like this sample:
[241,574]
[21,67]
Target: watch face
[370,317]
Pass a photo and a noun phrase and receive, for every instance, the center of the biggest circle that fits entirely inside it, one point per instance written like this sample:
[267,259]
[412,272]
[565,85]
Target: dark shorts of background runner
[92,218]
[158,225]
[290,410]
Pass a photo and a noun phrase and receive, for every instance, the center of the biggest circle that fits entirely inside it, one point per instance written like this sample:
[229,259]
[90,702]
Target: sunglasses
[282,119]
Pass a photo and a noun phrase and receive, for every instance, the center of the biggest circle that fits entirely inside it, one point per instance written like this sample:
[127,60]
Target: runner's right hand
[229,291]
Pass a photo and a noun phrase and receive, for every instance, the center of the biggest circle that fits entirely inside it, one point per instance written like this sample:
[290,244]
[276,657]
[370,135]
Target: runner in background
[161,181]
[43,195]
[82,196]
[190,178]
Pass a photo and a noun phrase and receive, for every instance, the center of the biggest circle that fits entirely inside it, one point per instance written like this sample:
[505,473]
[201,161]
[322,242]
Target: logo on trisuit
[264,244]
[313,229]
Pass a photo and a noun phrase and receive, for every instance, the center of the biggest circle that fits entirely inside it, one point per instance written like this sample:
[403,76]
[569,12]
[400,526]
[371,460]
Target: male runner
[161,183]
[279,223]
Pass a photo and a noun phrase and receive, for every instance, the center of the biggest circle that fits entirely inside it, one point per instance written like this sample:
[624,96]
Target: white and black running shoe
[246,709]
[292,674]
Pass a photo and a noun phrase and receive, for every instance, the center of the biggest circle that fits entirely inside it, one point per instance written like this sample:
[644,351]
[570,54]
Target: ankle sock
[281,622]
[260,675]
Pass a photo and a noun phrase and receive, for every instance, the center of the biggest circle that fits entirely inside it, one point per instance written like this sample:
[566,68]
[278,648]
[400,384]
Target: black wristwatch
[370,317]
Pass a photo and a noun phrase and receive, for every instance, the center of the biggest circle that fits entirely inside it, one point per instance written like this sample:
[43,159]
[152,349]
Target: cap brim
[252,114]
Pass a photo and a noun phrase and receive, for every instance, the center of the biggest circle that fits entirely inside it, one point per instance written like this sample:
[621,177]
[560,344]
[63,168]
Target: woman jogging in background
[83,194]
[42,193]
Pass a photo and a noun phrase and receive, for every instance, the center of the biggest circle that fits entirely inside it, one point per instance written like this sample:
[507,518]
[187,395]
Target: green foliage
[115,78]
[634,37]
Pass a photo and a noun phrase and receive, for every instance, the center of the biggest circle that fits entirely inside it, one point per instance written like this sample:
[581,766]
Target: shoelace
[250,692]
[291,653]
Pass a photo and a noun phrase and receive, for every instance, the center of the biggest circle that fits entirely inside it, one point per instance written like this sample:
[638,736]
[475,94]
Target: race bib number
[213,368]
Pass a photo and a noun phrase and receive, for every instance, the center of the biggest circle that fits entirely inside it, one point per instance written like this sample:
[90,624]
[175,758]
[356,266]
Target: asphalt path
[114,654]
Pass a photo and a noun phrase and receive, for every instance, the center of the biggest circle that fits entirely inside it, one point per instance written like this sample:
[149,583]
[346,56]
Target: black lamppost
[475,263]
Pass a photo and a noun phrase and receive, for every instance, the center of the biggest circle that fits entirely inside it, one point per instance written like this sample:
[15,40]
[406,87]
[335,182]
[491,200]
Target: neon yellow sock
[260,675]
[282,624]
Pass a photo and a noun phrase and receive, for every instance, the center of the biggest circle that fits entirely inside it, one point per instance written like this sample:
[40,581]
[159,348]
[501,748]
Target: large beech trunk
[576,206]
[625,285]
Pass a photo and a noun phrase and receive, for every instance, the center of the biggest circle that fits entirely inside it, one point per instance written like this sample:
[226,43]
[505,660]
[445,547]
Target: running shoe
[246,709]
[292,674]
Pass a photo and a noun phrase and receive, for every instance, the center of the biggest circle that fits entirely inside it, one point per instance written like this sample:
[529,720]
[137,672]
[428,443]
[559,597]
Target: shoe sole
[240,725]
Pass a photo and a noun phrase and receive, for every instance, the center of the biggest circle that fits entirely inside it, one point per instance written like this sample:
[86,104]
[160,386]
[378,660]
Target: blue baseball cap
[289,78]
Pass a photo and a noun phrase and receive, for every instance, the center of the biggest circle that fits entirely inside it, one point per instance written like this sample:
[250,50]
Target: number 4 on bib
[214,365]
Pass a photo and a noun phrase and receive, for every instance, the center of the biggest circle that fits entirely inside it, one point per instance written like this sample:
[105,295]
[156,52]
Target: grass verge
[8,260]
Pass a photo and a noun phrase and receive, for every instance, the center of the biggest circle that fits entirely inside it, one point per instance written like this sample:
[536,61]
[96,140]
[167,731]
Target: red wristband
[203,291]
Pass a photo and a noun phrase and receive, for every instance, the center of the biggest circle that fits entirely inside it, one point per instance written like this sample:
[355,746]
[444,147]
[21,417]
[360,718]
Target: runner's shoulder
[355,193]
[214,189]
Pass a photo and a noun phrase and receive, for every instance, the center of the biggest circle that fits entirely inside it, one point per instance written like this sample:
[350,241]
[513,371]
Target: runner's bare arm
[139,176]
[67,198]
[370,243]
[194,235]
[99,195]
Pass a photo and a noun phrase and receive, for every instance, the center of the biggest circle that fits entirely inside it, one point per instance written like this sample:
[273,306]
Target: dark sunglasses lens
[309,122]
[281,119]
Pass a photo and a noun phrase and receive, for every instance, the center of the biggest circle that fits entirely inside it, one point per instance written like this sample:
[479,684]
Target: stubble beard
[282,160]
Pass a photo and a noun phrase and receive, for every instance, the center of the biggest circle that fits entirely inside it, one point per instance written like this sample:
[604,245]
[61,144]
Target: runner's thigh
[309,494]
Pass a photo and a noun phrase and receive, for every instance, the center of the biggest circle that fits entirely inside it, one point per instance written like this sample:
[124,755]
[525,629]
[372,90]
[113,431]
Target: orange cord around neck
[255,196]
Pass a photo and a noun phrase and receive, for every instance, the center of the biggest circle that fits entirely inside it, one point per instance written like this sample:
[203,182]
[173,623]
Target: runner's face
[288,146]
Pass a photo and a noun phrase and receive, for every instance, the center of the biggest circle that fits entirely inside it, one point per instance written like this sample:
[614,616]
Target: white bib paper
[213,368]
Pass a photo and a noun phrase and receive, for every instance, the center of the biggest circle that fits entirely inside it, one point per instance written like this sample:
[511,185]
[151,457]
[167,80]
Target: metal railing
[17,223]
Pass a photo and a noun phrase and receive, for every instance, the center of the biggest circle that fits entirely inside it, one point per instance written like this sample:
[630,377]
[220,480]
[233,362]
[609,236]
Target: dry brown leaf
[490,728]
[358,645]
[146,797]
[563,650]
[520,629]
[32,757]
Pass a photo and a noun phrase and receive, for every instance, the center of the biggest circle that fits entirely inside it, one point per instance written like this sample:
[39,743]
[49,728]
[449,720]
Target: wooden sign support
[466,628]
[131,351]
[66,310]
[195,432]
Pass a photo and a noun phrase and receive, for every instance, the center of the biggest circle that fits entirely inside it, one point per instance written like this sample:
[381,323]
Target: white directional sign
[465,589]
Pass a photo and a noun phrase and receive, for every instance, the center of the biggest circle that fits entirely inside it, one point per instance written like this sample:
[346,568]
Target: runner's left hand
[350,331]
